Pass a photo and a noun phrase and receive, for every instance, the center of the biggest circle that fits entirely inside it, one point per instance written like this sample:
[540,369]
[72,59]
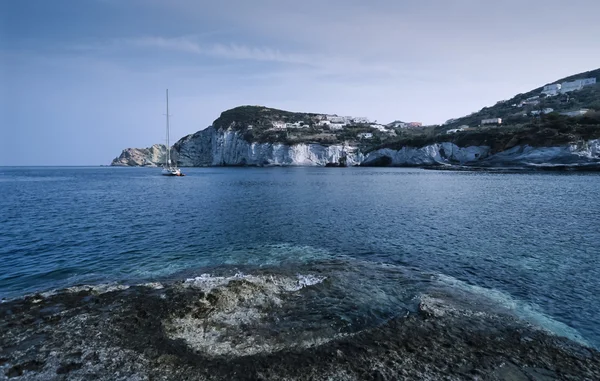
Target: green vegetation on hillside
[588,97]
[256,125]
[520,124]
[548,130]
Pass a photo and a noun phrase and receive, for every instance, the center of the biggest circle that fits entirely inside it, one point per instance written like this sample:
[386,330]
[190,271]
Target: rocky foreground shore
[227,330]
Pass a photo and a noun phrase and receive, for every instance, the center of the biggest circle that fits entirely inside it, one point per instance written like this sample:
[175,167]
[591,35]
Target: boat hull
[172,172]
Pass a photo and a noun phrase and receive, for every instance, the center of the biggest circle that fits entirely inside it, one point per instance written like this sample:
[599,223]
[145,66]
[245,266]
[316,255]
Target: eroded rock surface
[240,328]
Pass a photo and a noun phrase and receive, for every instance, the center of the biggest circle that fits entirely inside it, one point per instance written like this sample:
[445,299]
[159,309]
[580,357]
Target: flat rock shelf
[229,331]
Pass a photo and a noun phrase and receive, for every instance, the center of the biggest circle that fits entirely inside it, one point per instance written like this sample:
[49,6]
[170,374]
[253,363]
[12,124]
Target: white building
[379,127]
[581,112]
[337,119]
[359,119]
[454,130]
[365,135]
[552,90]
[397,125]
[324,123]
[547,110]
[336,126]
[278,125]
[577,84]
[491,121]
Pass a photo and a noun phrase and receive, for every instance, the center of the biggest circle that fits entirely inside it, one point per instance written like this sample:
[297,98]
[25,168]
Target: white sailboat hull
[171,172]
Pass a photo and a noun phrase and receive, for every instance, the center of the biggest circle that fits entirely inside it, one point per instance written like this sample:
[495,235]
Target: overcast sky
[81,80]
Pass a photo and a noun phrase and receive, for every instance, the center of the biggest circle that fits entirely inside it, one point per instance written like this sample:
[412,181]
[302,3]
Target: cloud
[234,51]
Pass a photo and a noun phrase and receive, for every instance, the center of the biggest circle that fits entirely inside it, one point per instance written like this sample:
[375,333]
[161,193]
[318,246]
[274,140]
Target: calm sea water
[529,241]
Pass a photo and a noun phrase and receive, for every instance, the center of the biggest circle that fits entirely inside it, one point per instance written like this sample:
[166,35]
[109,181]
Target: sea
[527,241]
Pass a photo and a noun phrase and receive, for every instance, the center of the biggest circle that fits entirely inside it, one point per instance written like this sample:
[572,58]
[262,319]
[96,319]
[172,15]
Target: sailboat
[169,169]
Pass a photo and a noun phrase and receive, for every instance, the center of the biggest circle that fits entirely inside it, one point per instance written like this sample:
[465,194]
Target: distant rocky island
[555,126]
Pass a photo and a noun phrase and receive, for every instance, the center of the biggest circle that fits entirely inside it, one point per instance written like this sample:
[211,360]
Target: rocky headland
[533,130]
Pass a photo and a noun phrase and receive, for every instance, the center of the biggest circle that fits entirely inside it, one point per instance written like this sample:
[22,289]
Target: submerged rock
[238,328]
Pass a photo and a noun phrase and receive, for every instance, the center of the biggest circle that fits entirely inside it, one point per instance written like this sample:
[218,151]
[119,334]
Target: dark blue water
[529,241]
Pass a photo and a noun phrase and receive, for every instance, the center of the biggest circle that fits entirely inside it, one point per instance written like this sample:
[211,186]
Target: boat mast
[168,145]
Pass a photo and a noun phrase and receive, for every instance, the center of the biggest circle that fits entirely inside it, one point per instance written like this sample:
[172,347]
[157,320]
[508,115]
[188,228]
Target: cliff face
[211,147]
[582,154]
[226,147]
[141,157]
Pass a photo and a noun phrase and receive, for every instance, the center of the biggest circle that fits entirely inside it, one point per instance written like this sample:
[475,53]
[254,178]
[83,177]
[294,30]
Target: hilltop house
[491,121]
[577,84]
[337,119]
[359,120]
[455,130]
[279,125]
[365,135]
[552,90]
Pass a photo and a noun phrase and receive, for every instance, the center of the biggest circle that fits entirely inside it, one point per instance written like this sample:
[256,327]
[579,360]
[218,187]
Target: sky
[80,80]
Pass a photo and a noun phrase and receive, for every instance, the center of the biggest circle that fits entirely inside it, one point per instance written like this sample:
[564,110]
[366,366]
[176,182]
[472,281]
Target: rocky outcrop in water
[141,157]
[230,329]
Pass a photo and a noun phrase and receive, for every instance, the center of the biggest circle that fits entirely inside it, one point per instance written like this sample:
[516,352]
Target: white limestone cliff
[585,153]
[217,147]
[211,147]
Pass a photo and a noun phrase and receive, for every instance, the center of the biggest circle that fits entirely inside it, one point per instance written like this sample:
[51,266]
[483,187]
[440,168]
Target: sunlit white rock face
[217,147]
[211,147]
[149,157]
[443,153]
[448,153]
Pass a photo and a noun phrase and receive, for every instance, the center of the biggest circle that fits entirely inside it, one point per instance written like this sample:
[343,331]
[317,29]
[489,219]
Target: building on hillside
[415,124]
[398,125]
[581,112]
[491,121]
[359,119]
[338,119]
[547,110]
[379,127]
[552,90]
[531,102]
[324,123]
[455,130]
[577,84]
[278,125]
[336,126]
[365,135]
